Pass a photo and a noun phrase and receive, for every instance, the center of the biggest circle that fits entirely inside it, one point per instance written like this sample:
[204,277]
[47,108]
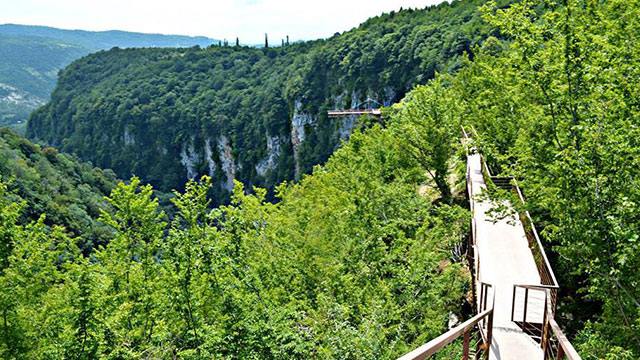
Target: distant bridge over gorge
[515,289]
[367,107]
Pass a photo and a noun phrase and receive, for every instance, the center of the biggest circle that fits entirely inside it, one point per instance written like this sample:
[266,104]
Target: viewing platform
[367,107]
[353,112]
[515,289]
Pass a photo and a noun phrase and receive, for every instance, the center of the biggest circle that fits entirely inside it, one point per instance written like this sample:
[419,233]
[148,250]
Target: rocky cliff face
[299,121]
[249,114]
[274,151]
[208,157]
[190,158]
[227,163]
[205,158]
[215,157]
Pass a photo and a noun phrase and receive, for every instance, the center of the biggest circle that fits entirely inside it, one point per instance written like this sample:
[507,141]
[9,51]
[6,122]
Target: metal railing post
[526,303]
[544,340]
[489,335]
[484,306]
[513,302]
[465,345]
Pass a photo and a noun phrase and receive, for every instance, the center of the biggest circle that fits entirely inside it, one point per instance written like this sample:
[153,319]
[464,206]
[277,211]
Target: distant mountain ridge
[31,56]
[99,40]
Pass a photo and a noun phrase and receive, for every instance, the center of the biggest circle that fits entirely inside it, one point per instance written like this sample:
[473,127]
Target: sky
[247,19]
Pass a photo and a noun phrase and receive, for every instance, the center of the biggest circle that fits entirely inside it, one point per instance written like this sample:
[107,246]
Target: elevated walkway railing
[547,276]
[554,343]
[480,327]
[353,112]
[367,107]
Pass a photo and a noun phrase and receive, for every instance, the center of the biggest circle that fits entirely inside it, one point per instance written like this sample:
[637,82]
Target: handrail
[549,328]
[549,284]
[445,339]
[347,112]
[533,286]
[565,349]
[536,236]
[526,300]
[547,274]
[483,319]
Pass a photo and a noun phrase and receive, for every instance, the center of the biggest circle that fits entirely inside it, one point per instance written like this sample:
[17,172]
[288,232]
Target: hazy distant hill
[96,40]
[31,56]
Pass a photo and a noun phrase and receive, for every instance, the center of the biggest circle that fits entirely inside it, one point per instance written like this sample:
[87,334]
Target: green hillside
[31,56]
[68,191]
[358,260]
[96,40]
[255,115]
[28,73]
[365,257]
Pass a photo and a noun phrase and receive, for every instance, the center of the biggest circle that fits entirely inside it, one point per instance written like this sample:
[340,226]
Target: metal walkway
[505,260]
[514,286]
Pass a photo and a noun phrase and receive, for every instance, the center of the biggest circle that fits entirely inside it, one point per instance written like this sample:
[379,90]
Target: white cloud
[247,19]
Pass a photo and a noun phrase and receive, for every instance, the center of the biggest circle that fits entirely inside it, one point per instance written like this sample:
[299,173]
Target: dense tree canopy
[68,191]
[359,259]
[557,107]
[149,112]
[353,262]
[31,56]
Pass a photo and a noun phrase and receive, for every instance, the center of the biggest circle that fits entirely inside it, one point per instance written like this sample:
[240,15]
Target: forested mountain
[96,40]
[28,71]
[256,115]
[44,181]
[31,56]
[363,258]
[353,262]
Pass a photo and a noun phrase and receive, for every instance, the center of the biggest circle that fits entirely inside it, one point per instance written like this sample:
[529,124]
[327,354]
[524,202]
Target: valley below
[176,197]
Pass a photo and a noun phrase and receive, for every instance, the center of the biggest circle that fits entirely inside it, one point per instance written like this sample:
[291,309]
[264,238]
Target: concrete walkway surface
[504,260]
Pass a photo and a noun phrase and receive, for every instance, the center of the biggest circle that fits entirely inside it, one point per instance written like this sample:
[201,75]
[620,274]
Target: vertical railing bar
[513,303]
[490,329]
[485,299]
[545,335]
[526,303]
[465,345]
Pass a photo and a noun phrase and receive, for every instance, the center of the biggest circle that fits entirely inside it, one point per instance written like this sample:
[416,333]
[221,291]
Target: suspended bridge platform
[515,289]
[353,112]
[367,107]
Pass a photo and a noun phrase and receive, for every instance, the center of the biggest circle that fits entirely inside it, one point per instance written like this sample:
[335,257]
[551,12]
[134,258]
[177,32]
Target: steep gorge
[255,115]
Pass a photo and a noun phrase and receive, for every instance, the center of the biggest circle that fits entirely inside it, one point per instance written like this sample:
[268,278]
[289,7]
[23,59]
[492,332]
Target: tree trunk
[443,187]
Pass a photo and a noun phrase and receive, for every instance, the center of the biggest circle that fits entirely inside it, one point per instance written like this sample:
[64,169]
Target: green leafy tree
[130,269]
[555,108]
[430,124]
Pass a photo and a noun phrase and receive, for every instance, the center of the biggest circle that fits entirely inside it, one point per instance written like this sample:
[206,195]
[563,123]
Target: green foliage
[555,106]
[150,111]
[353,262]
[69,191]
[28,72]
[31,56]
[431,128]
